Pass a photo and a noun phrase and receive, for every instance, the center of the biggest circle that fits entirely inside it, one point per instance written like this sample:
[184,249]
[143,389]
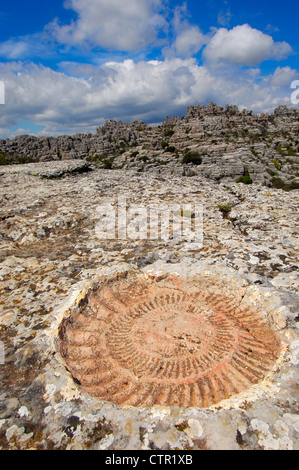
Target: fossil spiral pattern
[139,342]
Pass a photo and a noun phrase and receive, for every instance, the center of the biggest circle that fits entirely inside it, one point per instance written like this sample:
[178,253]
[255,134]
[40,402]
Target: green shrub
[192,157]
[23,159]
[168,132]
[15,160]
[94,158]
[288,152]
[291,186]
[225,209]
[245,179]
[278,183]
[108,163]
[134,154]
[170,148]
[3,160]
[291,153]
[276,163]
[120,151]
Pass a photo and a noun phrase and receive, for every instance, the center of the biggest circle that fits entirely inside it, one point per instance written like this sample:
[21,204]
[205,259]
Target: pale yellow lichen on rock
[70,391]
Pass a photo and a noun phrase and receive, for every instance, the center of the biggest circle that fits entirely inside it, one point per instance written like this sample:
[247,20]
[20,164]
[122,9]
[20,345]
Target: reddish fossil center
[186,342]
[175,331]
[172,332]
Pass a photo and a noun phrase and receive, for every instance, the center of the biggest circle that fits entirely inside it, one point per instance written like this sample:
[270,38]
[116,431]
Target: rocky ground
[50,255]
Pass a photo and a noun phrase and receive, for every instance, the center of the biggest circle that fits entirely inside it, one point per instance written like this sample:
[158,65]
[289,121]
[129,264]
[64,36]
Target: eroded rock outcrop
[228,143]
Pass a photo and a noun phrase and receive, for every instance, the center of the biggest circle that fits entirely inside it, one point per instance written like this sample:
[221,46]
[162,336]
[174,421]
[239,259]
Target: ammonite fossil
[176,342]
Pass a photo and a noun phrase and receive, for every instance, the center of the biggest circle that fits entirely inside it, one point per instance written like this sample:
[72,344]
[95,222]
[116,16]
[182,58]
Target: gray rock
[230,143]
[51,169]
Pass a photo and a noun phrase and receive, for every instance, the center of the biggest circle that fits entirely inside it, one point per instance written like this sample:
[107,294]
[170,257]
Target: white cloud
[25,47]
[114,24]
[283,76]
[244,45]
[188,42]
[13,49]
[188,39]
[224,17]
[127,90]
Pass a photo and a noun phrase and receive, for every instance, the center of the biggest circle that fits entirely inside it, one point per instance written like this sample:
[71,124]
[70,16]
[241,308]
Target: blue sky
[67,66]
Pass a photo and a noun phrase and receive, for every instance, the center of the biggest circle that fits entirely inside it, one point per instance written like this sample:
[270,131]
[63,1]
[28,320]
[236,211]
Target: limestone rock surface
[51,255]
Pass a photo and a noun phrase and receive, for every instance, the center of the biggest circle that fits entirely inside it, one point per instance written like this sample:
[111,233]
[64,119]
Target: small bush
[278,183]
[15,160]
[277,164]
[134,154]
[245,179]
[3,160]
[23,159]
[225,209]
[279,149]
[291,186]
[108,163]
[168,132]
[192,157]
[170,148]
[94,158]
[287,152]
